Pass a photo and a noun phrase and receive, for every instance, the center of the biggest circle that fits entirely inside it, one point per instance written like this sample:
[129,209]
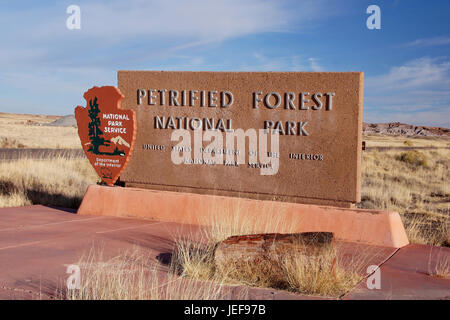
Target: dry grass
[414,158]
[135,275]
[375,140]
[408,143]
[442,266]
[414,183]
[58,181]
[233,220]
[193,259]
[443,269]
[29,131]
[323,274]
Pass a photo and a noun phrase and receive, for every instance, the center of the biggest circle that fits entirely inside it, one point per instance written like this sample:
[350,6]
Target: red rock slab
[407,275]
[268,248]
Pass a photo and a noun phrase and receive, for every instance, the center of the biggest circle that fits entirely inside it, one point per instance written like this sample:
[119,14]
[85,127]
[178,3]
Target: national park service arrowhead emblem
[107,132]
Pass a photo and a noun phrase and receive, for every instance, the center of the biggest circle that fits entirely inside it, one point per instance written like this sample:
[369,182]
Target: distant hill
[391,128]
[397,128]
[65,121]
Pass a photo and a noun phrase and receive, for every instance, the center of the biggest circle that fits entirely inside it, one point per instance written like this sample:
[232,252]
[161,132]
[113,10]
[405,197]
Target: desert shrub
[10,143]
[414,158]
[408,143]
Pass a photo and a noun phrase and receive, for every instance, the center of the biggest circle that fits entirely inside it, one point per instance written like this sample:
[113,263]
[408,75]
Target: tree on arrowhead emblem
[95,134]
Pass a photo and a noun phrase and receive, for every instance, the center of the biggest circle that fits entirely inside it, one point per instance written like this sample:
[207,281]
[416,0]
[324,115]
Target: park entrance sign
[279,151]
[216,133]
[106,132]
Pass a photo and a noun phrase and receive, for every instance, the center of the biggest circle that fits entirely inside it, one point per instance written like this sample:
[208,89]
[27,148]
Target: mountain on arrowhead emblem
[120,141]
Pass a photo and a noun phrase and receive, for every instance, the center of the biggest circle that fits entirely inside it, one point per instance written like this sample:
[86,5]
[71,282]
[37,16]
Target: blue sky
[45,67]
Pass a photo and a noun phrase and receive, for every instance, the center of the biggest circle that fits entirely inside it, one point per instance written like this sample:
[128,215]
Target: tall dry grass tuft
[233,220]
[193,259]
[134,275]
[14,199]
[441,268]
[58,181]
[323,274]
[264,274]
[421,229]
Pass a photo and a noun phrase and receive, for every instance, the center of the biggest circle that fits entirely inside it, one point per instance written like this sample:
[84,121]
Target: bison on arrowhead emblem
[107,132]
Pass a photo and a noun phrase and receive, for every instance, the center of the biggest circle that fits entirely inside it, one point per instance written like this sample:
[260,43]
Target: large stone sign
[217,133]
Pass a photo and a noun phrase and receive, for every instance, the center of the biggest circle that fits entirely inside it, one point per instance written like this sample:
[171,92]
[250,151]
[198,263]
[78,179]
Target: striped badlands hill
[397,128]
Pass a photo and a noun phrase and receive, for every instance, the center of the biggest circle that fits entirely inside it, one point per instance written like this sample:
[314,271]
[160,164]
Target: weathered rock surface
[259,248]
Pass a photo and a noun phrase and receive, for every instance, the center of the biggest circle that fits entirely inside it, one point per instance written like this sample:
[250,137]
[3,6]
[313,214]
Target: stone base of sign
[242,194]
[381,228]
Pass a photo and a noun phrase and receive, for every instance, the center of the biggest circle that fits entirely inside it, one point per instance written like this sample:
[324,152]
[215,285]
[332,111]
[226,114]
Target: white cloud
[63,79]
[198,19]
[41,58]
[192,21]
[417,92]
[298,62]
[428,42]
[419,73]
[116,31]
[315,65]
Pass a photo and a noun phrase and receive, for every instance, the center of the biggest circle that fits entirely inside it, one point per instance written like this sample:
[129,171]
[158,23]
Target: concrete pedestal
[374,227]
